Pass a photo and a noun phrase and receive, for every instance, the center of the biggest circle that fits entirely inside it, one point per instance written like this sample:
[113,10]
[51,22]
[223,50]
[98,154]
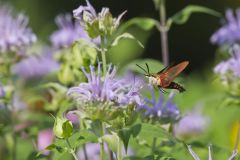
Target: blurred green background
[189,41]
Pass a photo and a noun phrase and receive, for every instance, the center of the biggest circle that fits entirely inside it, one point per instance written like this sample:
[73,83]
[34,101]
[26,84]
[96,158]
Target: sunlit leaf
[183,16]
[144,23]
[127,36]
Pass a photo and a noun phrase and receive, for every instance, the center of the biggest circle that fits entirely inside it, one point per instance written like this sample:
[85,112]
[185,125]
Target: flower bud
[63,128]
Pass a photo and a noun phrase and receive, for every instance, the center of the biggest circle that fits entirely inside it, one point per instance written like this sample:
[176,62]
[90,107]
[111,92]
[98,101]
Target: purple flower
[17,102]
[44,139]
[232,65]
[13,30]
[87,10]
[35,66]
[157,110]
[106,90]
[69,31]
[101,24]
[196,157]
[71,116]
[229,33]
[2,91]
[193,123]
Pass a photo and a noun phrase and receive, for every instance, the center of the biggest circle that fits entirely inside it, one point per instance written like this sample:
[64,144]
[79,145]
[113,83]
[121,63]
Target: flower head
[44,139]
[191,124]
[105,90]
[71,116]
[230,32]
[232,65]
[158,110]
[13,30]
[36,66]
[101,24]
[69,31]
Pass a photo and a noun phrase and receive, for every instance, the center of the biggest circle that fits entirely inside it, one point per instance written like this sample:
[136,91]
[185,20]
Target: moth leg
[162,90]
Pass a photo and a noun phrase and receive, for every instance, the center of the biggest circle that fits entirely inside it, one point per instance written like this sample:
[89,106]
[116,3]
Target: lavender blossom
[13,30]
[35,66]
[87,10]
[69,31]
[192,124]
[158,110]
[229,33]
[232,65]
[2,91]
[71,116]
[100,24]
[196,157]
[105,90]
[45,138]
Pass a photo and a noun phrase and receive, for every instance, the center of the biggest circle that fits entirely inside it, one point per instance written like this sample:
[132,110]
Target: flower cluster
[101,24]
[231,65]
[105,90]
[157,110]
[193,123]
[14,32]
[36,66]
[230,32]
[68,32]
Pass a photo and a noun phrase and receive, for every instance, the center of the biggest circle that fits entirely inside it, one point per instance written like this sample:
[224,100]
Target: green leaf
[112,141]
[125,35]
[125,134]
[156,132]
[182,16]
[143,23]
[96,127]
[67,129]
[55,147]
[136,130]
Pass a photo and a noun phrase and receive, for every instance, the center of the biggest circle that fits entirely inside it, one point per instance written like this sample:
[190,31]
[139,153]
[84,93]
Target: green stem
[72,151]
[102,143]
[14,137]
[119,150]
[154,144]
[82,126]
[164,33]
[103,54]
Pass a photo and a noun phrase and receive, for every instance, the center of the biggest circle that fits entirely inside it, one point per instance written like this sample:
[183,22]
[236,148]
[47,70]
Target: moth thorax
[152,80]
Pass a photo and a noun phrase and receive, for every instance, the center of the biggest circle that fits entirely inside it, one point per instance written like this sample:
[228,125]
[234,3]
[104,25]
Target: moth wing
[171,73]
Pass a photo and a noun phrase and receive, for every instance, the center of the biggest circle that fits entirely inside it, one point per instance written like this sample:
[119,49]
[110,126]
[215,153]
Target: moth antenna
[142,68]
[147,69]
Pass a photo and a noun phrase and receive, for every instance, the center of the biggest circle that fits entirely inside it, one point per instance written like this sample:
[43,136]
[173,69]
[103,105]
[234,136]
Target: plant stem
[154,144]
[163,32]
[110,154]
[119,150]
[101,143]
[103,54]
[82,126]
[72,150]
[85,152]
